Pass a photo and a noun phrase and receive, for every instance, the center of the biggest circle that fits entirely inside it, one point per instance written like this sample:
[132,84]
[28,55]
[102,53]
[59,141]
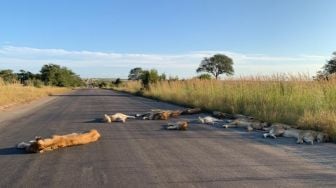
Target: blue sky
[99,38]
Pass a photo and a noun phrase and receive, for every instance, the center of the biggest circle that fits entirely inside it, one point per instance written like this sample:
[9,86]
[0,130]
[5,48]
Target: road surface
[141,153]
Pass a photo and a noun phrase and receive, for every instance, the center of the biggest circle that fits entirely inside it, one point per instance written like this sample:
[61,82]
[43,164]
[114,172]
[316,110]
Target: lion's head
[322,137]
[183,125]
[107,118]
[175,114]
[34,146]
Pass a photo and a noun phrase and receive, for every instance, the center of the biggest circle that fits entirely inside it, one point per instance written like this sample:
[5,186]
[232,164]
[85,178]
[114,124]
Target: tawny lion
[208,120]
[175,113]
[172,113]
[117,117]
[277,129]
[191,111]
[180,125]
[40,145]
[160,115]
[302,136]
[307,136]
[222,115]
[249,124]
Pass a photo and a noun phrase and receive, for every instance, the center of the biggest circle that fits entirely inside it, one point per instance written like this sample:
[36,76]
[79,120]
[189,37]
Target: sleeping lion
[208,120]
[155,115]
[308,136]
[248,124]
[277,129]
[40,145]
[191,111]
[180,125]
[117,117]
[172,113]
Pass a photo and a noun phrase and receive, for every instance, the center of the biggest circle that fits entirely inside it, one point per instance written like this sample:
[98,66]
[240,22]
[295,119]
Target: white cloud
[109,64]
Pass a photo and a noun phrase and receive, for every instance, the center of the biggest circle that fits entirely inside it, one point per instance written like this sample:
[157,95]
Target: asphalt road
[143,154]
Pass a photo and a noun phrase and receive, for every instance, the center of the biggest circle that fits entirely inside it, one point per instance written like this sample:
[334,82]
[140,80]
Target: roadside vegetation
[297,100]
[12,94]
[24,86]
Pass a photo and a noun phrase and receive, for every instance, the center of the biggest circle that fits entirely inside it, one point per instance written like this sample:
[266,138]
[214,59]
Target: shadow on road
[12,151]
[96,120]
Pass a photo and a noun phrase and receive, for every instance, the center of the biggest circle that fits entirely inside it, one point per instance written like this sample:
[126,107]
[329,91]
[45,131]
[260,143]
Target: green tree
[56,75]
[163,76]
[217,65]
[330,67]
[135,74]
[8,76]
[24,76]
[50,73]
[149,77]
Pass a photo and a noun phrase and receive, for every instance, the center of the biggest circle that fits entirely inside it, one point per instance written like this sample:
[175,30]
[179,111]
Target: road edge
[20,110]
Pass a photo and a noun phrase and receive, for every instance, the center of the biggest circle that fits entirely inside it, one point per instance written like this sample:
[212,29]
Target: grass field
[13,94]
[295,100]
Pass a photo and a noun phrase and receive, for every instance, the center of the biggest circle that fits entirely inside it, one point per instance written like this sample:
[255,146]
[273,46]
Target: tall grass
[12,94]
[295,100]
[130,86]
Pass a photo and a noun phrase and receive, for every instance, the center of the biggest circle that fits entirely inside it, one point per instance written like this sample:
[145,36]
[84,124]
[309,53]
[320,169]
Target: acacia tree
[216,65]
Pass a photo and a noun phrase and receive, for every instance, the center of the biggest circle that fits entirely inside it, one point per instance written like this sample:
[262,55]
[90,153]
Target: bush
[102,84]
[204,77]
[8,76]
[34,82]
[117,82]
[149,77]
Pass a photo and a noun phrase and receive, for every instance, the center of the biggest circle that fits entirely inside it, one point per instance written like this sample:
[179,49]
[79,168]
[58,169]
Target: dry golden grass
[12,94]
[130,86]
[295,100]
